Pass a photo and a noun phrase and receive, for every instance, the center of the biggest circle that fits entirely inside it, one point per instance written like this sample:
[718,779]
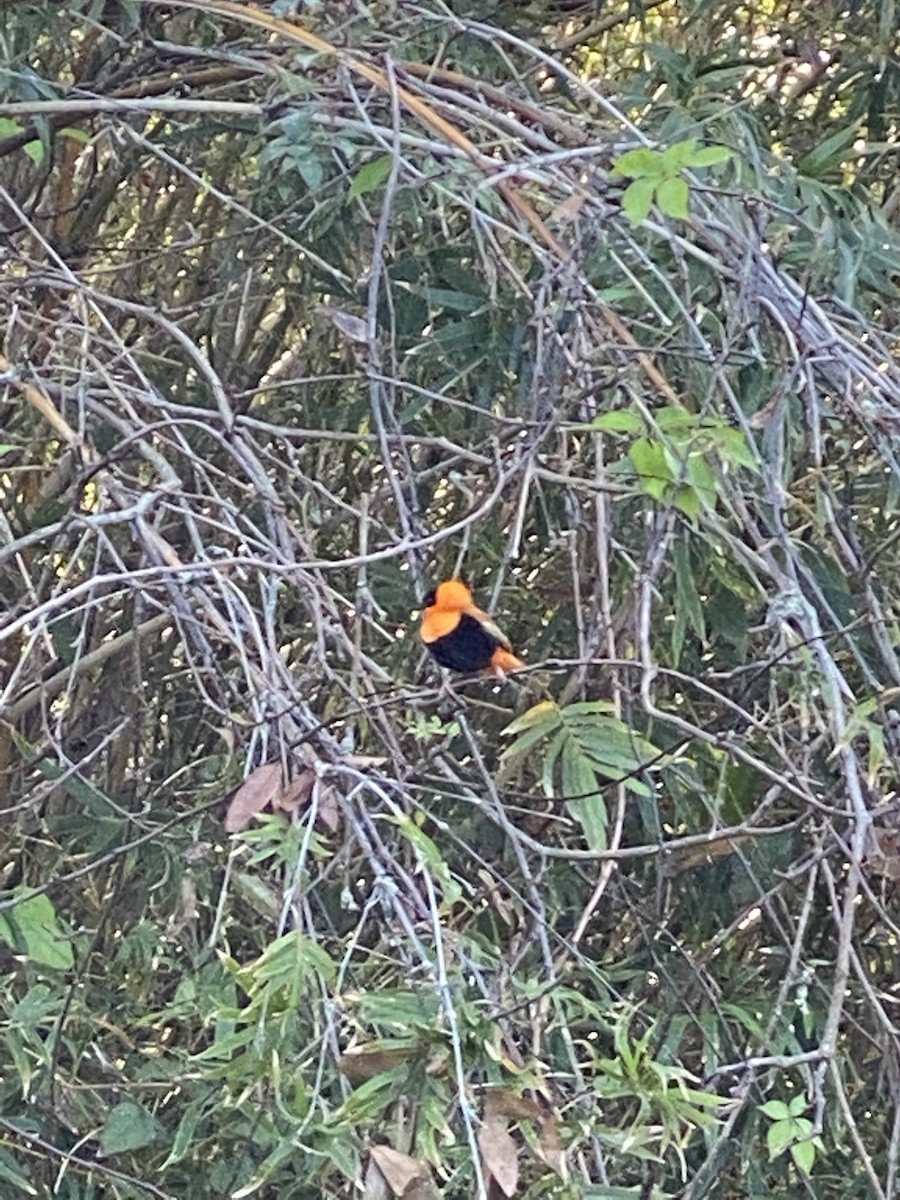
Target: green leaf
[9,128]
[128,1127]
[688,598]
[776,1109]
[291,959]
[779,1137]
[649,460]
[797,1105]
[551,754]
[371,176]
[399,1009]
[804,1155]
[311,171]
[637,163]
[675,418]
[545,716]
[187,1126]
[428,854]
[35,151]
[637,200]
[709,156]
[679,155]
[12,1173]
[620,420]
[35,919]
[588,808]
[591,815]
[5,448]
[702,479]
[734,449]
[527,739]
[829,153]
[688,501]
[453,300]
[672,196]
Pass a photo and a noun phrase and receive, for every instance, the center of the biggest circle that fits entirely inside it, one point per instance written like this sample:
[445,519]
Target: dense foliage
[307,306]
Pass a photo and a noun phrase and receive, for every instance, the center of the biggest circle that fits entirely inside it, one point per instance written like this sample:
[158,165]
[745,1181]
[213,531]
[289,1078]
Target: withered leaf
[258,790]
[365,1062]
[499,1152]
[297,792]
[401,1172]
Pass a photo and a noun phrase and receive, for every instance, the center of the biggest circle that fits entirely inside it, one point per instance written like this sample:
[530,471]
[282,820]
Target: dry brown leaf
[354,328]
[259,789]
[883,857]
[363,761]
[329,811]
[503,1103]
[298,791]
[550,1147]
[401,1172]
[365,1062]
[422,1189]
[499,1152]
[374,1183]
[568,208]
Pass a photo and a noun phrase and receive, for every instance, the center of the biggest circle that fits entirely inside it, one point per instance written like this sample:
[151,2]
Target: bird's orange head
[451,596]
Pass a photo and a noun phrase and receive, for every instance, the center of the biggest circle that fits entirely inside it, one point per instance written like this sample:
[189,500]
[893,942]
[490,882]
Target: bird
[461,636]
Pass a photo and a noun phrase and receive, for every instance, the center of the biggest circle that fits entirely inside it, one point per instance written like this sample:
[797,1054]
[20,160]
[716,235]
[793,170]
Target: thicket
[306,307]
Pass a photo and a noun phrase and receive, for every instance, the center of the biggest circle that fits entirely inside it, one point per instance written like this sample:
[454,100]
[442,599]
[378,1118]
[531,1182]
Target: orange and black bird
[461,636]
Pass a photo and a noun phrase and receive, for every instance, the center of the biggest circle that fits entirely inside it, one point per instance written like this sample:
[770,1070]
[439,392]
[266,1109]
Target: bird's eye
[429,599]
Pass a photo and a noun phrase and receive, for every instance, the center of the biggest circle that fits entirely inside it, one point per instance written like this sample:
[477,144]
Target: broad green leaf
[577,774]
[637,200]
[9,128]
[702,479]
[371,176]
[734,450]
[45,943]
[679,155]
[804,1155]
[620,420]
[649,460]
[640,162]
[672,196]
[688,501]
[128,1127]
[778,1137]
[673,418]
[35,151]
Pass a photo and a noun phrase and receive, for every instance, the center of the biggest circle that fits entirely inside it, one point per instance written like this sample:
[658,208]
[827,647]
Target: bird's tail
[502,662]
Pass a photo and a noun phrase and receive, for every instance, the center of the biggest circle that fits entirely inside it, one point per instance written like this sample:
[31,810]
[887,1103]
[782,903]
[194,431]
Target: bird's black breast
[467,648]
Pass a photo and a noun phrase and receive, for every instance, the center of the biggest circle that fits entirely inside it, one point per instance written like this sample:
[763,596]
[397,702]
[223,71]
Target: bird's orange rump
[461,636]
